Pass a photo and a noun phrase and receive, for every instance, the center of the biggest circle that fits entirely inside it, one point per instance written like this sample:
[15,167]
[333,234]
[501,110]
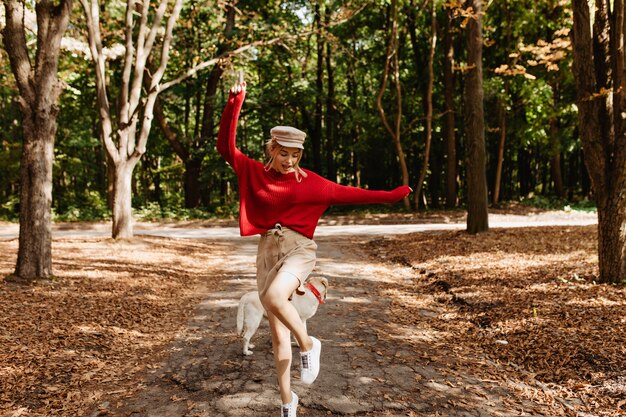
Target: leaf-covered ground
[94,330]
[519,306]
[522,300]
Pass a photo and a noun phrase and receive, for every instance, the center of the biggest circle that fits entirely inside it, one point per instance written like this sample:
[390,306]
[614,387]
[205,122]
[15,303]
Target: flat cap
[288,136]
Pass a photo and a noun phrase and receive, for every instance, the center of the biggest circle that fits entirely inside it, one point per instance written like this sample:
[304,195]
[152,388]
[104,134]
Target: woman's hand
[238,88]
[403,191]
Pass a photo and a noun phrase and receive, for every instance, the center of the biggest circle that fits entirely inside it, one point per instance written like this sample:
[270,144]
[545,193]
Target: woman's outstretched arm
[342,194]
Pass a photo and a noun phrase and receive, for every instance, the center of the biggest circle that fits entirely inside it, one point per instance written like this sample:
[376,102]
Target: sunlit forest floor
[516,304]
[516,307]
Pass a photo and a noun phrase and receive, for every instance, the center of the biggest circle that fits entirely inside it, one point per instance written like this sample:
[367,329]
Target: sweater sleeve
[226,136]
[342,194]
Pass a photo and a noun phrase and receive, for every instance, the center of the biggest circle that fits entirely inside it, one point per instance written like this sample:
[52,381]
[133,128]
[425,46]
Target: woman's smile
[286,159]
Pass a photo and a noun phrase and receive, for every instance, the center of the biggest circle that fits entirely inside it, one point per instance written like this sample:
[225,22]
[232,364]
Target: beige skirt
[282,249]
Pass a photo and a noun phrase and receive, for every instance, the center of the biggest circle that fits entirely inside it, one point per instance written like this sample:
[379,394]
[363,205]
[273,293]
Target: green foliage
[154,212]
[281,74]
[10,209]
[555,203]
[86,206]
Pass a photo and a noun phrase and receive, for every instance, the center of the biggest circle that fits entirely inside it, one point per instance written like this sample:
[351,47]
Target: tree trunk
[502,112]
[556,171]
[208,111]
[555,145]
[392,61]
[316,137]
[600,81]
[355,130]
[449,127]
[34,257]
[612,241]
[501,143]
[39,90]
[524,172]
[330,112]
[192,182]
[429,103]
[477,215]
[122,197]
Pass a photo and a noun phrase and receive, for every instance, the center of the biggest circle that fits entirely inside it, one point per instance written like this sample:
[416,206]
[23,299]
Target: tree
[429,102]
[316,136]
[601,87]
[392,63]
[39,90]
[502,113]
[477,215]
[135,106]
[449,120]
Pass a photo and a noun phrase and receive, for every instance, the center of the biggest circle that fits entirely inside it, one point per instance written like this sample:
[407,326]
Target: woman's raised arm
[226,137]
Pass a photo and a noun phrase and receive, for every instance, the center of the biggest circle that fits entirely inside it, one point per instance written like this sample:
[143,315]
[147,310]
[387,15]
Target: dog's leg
[247,335]
[246,345]
[251,326]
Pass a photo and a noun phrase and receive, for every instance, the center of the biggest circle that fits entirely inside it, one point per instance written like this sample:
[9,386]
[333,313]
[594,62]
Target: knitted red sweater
[267,197]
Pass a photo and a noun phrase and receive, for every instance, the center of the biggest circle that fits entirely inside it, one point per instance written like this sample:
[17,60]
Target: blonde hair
[271,150]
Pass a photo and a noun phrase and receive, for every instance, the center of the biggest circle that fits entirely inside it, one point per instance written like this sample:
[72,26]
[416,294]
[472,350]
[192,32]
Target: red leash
[315,292]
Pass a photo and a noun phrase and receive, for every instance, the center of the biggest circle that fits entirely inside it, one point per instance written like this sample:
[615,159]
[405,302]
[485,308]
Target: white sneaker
[310,363]
[289,410]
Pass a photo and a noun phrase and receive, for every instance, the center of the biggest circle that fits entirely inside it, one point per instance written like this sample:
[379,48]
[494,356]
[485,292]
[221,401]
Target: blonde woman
[283,203]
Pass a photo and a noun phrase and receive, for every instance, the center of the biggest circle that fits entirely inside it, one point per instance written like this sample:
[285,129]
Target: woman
[283,203]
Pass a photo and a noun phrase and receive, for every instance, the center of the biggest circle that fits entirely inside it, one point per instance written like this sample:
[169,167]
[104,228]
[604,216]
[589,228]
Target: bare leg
[276,301]
[281,343]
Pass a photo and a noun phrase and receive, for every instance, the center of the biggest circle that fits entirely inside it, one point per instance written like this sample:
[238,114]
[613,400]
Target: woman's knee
[273,300]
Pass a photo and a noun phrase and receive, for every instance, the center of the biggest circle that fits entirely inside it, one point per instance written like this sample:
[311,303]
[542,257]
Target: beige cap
[288,136]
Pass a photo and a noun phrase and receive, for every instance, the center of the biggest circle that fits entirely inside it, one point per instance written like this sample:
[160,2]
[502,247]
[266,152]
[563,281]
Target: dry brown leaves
[105,318]
[520,306]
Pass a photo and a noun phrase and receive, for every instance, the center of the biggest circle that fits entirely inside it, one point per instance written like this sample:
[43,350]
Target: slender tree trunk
[193,166]
[429,103]
[555,145]
[477,215]
[39,90]
[556,171]
[316,137]
[601,83]
[392,62]
[502,113]
[355,126]
[524,172]
[193,163]
[193,170]
[330,112]
[449,127]
[501,143]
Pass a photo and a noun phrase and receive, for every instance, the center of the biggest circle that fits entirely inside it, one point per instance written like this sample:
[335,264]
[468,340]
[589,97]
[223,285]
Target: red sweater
[269,197]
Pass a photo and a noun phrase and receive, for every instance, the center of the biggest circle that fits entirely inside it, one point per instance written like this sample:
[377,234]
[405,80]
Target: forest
[339,71]
[507,117]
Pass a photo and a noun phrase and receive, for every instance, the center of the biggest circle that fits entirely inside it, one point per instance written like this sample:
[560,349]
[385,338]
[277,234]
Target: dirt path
[369,367]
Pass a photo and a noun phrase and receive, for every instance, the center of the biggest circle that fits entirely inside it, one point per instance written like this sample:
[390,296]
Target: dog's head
[321,284]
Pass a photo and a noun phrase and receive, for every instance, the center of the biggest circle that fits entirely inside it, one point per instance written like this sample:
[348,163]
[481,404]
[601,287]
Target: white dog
[250,311]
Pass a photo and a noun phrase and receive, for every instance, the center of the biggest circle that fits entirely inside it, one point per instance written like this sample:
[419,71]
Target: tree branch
[148,110]
[92,14]
[15,40]
[192,71]
[128,65]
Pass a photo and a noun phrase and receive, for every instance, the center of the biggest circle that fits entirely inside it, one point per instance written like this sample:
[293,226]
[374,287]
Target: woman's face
[286,159]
